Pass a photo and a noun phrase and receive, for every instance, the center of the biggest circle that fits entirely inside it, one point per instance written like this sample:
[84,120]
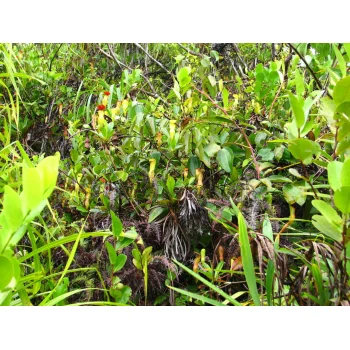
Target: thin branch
[309,68]
[54,56]
[190,51]
[112,56]
[153,59]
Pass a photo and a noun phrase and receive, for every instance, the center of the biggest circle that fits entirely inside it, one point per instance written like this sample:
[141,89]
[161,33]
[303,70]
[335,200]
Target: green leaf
[294,194]
[117,226]
[111,253]
[247,259]
[225,159]
[279,178]
[266,154]
[298,111]
[212,80]
[342,199]
[330,230]
[193,164]
[225,98]
[212,149]
[327,211]
[33,188]
[341,61]
[137,264]
[48,169]
[270,274]
[170,183]
[176,90]
[347,49]
[119,262]
[183,76]
[279,152]
[299,83]
[12,209]
[334,171]
[267,228]
[295,173]
[131,234]
[203,156]
[198,297]
[345,173]
[6,271]
[319,283]
[341,92]
[122,175]
[304,150]
[155,212]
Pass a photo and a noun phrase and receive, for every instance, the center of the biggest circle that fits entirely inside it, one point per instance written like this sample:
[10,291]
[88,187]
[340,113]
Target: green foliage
[114,162]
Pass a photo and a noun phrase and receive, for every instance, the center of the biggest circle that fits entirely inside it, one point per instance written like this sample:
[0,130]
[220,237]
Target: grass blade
[247,259]
[197,296]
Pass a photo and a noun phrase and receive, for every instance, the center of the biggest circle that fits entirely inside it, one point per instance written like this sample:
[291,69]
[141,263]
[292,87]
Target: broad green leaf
[111,253]
[121,295]
[225,159]
[170,183]
[122,175]
[342,199]
[342,108]
[266,154]
[334,171]
[193,164]
[183,76]
[260,136]
[330,230]
[33,188]
[155,212]
[304,150]
[179,58]
[6,271]
[328,107]
[345,173]
[327,211]
[341,61]
[212,80]
[295,173]
[117,226]
[294,194]
[12,209]
[341,92]
[247,259]
[212,149]
[119,262]
[49,172]
[298,111]
[131,234]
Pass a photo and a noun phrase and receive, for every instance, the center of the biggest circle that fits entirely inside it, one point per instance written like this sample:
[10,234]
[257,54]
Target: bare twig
[153,59]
